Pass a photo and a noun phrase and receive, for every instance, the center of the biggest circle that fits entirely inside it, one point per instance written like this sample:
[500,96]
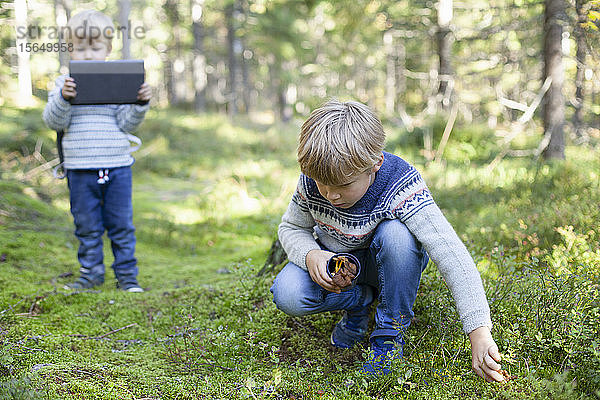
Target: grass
[208,195]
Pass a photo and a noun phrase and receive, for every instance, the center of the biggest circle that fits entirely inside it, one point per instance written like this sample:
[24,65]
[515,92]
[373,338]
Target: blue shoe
[352,328]
[384,349]
[130,286]
[85,282]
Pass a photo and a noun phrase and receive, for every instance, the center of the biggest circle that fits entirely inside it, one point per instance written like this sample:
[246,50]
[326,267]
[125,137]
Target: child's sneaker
[131,287]
[84,282]
[352,328]
[384,349]
[134,289]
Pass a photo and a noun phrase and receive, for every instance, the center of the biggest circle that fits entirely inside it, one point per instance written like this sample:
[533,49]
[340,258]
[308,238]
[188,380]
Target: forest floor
[208,196]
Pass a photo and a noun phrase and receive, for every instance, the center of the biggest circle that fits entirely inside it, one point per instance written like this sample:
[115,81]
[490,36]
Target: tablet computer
[107,82]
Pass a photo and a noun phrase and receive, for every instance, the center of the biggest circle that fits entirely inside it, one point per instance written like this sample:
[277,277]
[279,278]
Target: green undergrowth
[208,195]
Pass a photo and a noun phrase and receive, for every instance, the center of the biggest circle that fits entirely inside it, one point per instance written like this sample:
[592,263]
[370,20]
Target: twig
[114,331]
[512,104]
[37,154]
[32,309]
[30,349]
[544,142]
[41,168]
[520,125]
[462,345]
[192,365]
[421,340]
[447,131]
[26,314]
[215,366]
[427,75]
[536,102]
[300,325]
[10,308]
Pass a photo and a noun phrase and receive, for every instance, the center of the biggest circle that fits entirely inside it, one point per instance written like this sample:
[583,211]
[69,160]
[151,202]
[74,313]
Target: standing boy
[97,159]
[353,197]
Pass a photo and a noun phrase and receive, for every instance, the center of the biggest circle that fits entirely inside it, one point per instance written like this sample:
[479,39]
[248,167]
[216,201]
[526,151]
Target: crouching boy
[353,197]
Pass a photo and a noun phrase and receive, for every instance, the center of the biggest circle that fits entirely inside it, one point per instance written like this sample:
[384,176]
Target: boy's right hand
[316,263]
[68,90]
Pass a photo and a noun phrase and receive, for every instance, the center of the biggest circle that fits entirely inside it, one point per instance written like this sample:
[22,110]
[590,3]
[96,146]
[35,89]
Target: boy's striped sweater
[96,136]
[397,192]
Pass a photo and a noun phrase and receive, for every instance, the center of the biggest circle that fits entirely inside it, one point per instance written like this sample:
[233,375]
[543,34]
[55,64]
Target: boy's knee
[288,294]
[395,245]
[287,301]
[396,231]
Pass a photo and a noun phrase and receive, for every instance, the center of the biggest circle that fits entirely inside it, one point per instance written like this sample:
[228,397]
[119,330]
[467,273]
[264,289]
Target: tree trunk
[177,86]
[581,65]
[232,62]
[180,83]
[168,76]
[280,88]
[390,73]
[199,61]
[62,13]
[554,107]
[124,11]
[275,257]
[25,94]
[167,56]
[400,74]
[245,79]
[444,47]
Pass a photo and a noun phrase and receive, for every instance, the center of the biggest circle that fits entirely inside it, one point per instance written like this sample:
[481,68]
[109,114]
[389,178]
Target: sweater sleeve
[57,113]
[130,116]
[296,229]
[455,264]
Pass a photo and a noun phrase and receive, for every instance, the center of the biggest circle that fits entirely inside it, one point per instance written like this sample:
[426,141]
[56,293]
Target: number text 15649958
[45,47]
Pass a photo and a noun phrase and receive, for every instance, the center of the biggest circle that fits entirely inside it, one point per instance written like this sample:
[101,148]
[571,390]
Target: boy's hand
[485,355]
[145,92]
[316,262]
[68,90]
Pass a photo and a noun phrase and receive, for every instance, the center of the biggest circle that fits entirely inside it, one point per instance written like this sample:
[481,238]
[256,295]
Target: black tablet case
[107,82]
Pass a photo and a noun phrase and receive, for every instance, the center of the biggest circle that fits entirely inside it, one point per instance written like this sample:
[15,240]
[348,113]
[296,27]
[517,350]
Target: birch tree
[24,95]
[124,11]
[199,58]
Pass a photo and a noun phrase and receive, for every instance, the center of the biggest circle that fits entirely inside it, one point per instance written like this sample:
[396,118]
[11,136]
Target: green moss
[208,196]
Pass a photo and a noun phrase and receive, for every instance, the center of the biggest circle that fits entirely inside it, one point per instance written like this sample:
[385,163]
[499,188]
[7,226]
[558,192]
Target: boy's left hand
[486,356]
[145,92]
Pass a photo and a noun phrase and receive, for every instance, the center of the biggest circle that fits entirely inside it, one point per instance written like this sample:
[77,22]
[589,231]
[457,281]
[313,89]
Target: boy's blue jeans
[393,264]
[99,207]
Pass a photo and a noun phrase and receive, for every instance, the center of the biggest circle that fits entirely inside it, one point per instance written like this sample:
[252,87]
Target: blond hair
[91,25]
[339,141]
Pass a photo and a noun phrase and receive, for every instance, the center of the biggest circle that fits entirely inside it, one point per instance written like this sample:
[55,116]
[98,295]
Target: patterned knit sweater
[397,192]
[96,136]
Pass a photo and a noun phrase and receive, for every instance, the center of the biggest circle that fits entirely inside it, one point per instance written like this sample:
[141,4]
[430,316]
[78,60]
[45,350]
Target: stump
[275,257]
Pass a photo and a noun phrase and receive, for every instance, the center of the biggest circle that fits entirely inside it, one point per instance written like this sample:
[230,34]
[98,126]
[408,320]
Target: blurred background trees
[523,68]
